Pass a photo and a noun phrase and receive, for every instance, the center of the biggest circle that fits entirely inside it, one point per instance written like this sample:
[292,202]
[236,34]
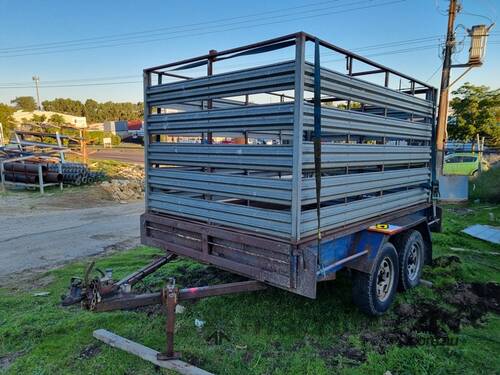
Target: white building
[76,121]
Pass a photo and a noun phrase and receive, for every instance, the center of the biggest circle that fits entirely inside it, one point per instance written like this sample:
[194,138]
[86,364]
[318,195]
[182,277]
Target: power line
[434,73]
[126,36]
[364,48]
[72,85]
[149,31]
[130,82]
[392,52]
[273,22]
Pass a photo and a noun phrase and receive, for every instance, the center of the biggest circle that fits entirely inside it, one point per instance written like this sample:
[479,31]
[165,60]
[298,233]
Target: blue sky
[193,27]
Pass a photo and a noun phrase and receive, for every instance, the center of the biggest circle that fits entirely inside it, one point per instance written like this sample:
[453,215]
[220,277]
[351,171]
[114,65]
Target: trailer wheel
[374,292]
[411,249]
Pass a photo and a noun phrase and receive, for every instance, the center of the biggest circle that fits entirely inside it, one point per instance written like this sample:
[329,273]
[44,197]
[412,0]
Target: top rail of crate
[255,48]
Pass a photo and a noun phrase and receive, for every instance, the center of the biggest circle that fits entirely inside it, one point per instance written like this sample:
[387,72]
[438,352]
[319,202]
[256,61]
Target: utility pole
[37,80]
[445,85]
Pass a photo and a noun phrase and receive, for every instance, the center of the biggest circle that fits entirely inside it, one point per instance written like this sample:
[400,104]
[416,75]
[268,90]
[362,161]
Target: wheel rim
[414,260]
[385,279]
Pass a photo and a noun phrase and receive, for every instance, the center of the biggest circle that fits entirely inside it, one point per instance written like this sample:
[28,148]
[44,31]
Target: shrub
[486,186]
[96,137]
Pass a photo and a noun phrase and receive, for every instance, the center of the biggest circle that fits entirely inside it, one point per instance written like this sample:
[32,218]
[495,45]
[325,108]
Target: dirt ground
[42,231]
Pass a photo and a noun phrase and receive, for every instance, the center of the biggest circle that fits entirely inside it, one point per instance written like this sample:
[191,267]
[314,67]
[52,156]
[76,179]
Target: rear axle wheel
[374,292]
[411,249]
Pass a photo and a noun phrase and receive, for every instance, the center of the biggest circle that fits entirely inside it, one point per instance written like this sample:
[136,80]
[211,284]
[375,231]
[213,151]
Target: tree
[94,111]
[38,119]
[476,111]
[26,103]
[6,119]
[68,106]
[91,110]
[57,119]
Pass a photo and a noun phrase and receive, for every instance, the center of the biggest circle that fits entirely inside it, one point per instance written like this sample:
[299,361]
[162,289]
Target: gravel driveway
[39,238]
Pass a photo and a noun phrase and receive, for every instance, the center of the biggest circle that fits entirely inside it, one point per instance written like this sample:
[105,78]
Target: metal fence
[217,151]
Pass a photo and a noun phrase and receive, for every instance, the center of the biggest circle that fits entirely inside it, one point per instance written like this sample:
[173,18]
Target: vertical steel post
[59,143]
[317,134]
[2,176]
[210,71]
[146,84]
[298,124]
[40,178]
[59,169]
[170,296]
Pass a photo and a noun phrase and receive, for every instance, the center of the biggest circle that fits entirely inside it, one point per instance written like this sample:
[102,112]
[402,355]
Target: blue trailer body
[334,254]
[347,251]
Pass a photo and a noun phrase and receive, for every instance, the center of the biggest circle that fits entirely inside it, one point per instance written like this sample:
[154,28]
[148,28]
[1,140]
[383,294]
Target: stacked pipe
[76,173]
[28,173]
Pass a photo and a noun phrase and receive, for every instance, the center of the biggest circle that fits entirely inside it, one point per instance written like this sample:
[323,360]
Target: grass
[268,332]
[112,168]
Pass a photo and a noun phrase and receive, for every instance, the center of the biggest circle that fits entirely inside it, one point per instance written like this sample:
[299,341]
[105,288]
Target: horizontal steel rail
[344,186]
[337,121]
[271,190]
[347,213]
[257,157]
[358,155]
[233,215]
[276,77]
[346,87]
[250,118]
[215,55]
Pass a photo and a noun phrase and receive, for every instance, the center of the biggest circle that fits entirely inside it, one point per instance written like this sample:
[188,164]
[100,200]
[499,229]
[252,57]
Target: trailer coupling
[102,294]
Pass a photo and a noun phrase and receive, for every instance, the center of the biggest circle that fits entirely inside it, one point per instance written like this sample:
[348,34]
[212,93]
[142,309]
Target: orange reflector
[385,228]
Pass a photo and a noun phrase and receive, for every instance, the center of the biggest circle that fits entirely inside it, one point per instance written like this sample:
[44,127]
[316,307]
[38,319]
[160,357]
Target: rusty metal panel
[273,262]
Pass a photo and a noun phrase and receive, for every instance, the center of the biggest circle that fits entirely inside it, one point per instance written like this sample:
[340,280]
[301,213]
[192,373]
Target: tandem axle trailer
[286,171]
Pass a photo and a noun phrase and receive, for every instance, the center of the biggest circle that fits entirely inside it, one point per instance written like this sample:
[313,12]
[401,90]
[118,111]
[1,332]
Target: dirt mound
[124,190]
[433,319]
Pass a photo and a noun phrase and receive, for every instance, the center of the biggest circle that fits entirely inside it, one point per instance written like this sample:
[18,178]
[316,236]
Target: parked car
[465,164]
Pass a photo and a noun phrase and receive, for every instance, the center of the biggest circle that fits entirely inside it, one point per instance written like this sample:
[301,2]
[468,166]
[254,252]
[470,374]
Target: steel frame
[269,191]
[280,159]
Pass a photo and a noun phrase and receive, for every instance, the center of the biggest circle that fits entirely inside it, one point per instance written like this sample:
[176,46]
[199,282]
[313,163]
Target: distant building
[116,127]
[76,121]
[96,126]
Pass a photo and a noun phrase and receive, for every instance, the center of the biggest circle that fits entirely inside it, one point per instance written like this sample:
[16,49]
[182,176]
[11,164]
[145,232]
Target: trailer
[345,179]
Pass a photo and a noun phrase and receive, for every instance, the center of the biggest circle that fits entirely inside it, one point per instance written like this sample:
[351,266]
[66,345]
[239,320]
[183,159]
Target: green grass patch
[267,332]
[112,168]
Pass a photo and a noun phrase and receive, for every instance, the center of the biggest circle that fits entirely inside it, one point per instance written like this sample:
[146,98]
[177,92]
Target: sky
[98,48]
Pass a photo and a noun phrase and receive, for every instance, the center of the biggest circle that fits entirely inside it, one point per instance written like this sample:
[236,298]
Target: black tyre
[374,292]
[411,249]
